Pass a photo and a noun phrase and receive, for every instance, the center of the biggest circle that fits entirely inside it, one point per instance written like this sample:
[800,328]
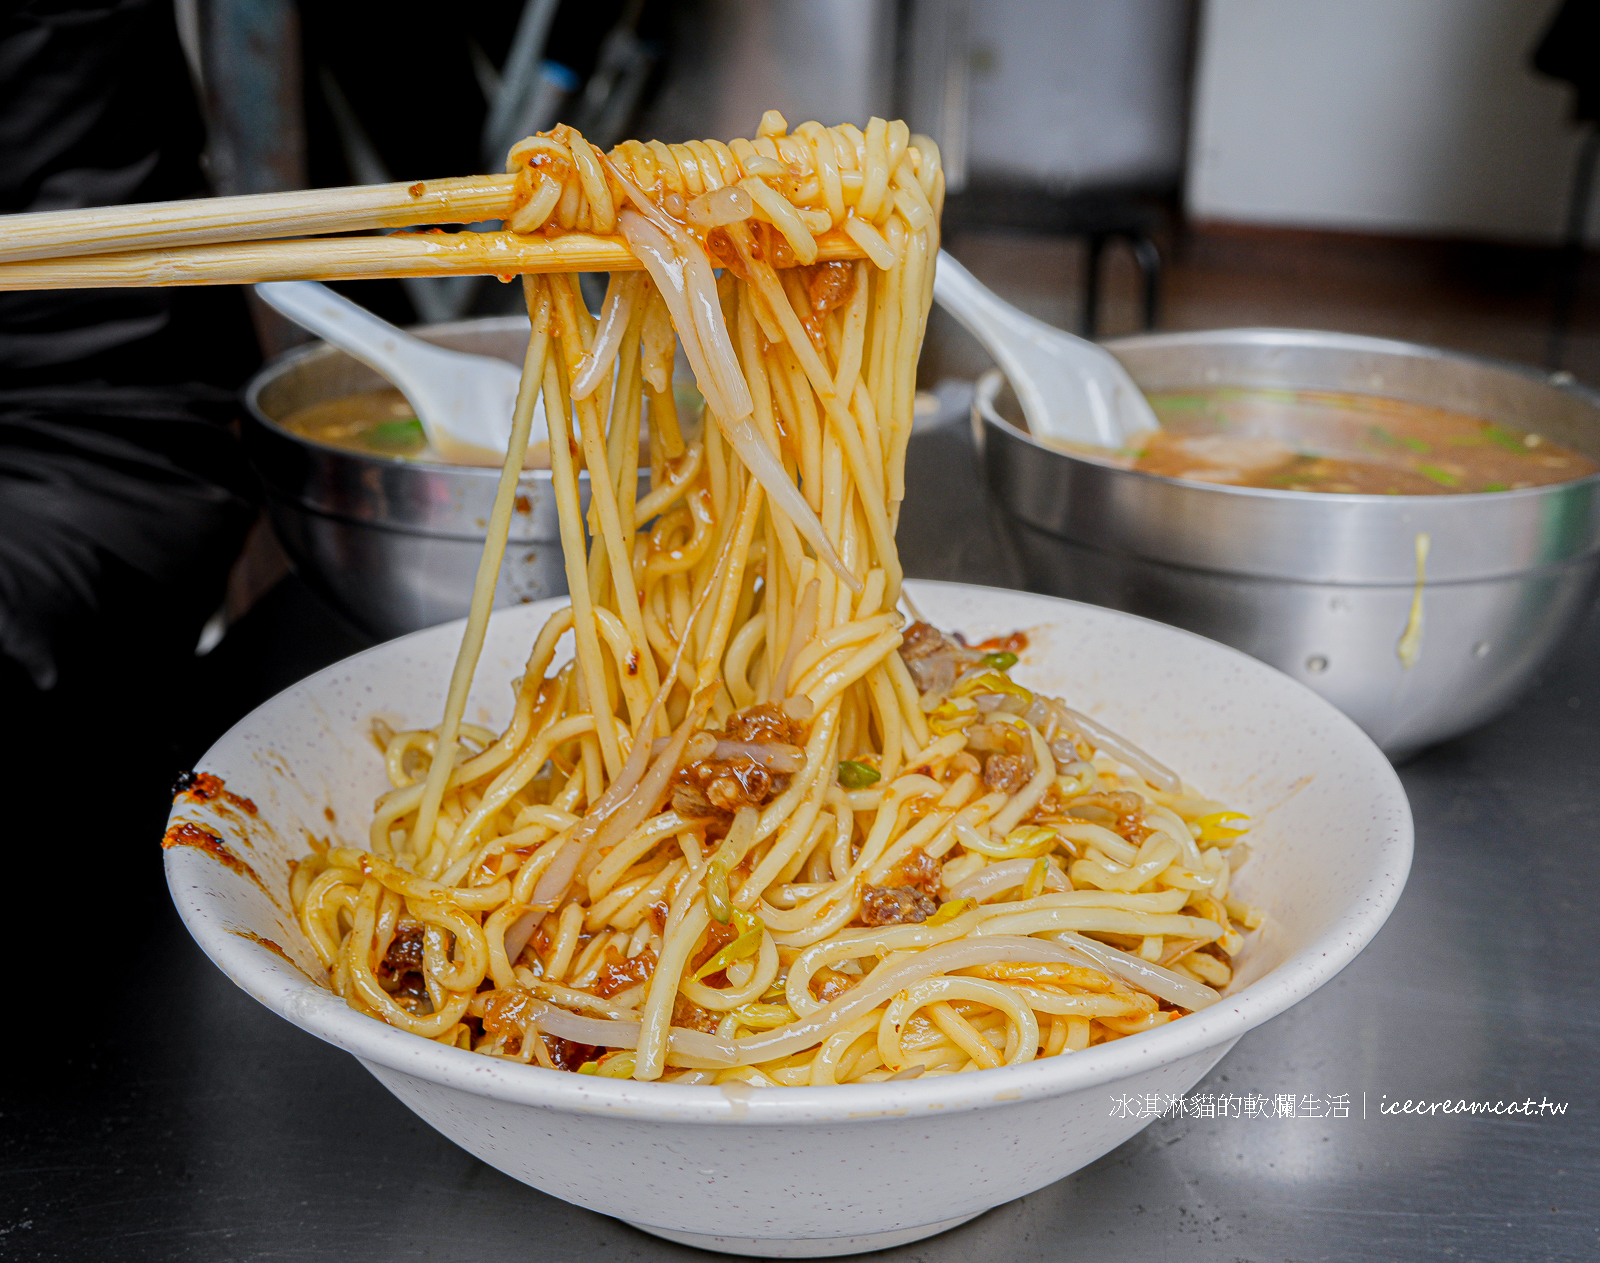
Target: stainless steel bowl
[1322,586]
[393,544]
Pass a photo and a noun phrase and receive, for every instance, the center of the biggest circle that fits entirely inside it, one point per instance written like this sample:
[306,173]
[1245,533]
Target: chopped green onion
[1507,439]
[396,436]
[1175,402]
[1416,445]
[1497,486]
[742,948]
[1001,661]
[1441,476]
[853,775]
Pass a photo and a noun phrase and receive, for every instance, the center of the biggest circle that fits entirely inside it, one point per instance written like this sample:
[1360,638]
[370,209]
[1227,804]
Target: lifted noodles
[758,828]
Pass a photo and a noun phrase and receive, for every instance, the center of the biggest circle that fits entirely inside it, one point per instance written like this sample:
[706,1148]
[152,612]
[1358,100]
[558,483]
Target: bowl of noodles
[778,906]
[812,1170]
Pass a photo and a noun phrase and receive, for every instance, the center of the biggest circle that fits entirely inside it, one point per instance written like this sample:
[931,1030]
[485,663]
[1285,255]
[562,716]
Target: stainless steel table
[155,1112]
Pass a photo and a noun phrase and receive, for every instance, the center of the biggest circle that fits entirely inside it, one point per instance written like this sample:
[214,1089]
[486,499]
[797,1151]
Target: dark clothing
[1570,50]
[123,493]
[121,509]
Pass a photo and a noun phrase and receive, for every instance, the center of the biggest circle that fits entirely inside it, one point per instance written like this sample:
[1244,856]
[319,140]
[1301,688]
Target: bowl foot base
[808,1248]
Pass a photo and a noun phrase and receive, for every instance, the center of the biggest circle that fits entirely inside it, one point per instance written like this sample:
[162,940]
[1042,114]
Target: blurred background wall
[1395,116]
[1078,92]
[1384,166]
[732,60]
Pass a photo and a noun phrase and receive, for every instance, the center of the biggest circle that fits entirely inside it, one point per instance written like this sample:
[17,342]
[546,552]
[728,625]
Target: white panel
[1078,91]
[1384,115]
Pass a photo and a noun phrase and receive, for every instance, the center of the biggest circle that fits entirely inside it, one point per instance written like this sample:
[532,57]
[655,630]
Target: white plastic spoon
[1068,388]
[463,401]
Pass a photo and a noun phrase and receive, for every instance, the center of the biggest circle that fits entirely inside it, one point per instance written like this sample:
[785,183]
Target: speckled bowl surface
[794,1172]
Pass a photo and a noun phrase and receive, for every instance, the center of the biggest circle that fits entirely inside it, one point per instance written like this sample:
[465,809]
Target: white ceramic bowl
[818,1171]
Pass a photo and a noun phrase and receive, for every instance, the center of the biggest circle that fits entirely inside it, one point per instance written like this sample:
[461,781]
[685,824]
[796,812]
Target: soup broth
[1314,440]
[1311,440]
[380,423]
[383,423]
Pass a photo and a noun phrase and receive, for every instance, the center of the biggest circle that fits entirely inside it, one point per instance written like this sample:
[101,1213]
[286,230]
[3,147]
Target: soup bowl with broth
[373,521]
[1408,531]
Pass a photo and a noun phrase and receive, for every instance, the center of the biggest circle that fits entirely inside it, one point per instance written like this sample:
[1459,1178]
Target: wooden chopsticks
[350,259]
[227,240]
[204,221]
[325,259]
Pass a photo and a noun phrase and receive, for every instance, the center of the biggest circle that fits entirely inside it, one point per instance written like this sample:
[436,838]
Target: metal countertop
[174,1118]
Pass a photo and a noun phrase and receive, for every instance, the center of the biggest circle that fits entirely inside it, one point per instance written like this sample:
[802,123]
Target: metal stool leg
[1091,284]
[1571,259]
[1149,261]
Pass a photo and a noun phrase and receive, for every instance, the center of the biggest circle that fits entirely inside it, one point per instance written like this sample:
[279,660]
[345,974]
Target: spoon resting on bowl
[1070,389]
[463,401]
